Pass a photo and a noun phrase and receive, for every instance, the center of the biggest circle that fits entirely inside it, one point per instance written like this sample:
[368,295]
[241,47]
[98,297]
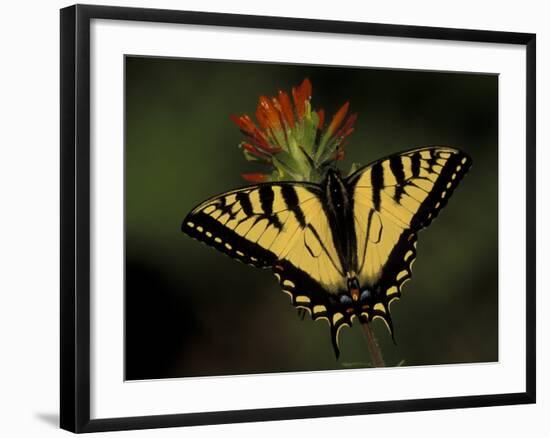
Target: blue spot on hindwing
[365,295]
[345,299]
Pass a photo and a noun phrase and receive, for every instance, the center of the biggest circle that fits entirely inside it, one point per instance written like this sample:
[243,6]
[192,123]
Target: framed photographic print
[243,200]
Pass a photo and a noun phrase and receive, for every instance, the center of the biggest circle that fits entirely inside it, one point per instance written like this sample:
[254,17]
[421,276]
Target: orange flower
[292,138]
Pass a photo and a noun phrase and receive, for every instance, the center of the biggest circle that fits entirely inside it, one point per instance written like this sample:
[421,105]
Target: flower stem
[374,348]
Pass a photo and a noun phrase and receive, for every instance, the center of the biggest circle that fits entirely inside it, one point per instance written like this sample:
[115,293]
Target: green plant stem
[374,348]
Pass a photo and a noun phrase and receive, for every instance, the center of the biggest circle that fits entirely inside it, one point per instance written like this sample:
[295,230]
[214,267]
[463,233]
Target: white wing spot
[458,168]
[443,194]
[208,234]
[449,184]
[437,205]
[337,317]
[380,307]
[288,283]
[454,176]
[319,309]
[217,240]
[464,160]
[190,224]
[228,246]
[402,274]
[240,253]
[200,229]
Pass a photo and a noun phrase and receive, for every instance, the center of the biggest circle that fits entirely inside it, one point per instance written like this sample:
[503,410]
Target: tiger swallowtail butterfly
[341,249]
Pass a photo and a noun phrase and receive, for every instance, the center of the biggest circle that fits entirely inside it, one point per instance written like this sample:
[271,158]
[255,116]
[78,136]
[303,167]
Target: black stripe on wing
[377,182]
[291,199]
[456,166]
[396,166]
[204,228]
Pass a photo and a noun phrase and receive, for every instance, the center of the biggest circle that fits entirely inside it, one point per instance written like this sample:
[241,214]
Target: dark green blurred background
[191,311]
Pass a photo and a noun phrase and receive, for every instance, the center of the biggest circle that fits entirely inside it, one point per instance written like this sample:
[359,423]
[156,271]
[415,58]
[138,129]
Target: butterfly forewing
[269,223]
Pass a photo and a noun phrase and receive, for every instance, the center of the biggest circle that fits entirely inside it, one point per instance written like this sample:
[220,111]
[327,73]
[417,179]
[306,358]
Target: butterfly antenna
[308,157]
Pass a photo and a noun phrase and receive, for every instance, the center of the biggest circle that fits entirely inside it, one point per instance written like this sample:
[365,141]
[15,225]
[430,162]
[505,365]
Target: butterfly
[341,249]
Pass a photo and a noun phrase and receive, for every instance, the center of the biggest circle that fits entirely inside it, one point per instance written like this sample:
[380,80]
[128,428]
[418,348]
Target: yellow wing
[282,226]
[394,198]
[278,225]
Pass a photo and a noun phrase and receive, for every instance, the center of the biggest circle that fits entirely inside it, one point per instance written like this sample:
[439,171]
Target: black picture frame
[75,217]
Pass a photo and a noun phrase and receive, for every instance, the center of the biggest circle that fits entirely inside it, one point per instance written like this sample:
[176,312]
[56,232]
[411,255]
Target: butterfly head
[336,192]
[332,175]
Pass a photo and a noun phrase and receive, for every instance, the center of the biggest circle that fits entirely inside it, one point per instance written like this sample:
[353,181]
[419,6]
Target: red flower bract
[294,130]
[255,177]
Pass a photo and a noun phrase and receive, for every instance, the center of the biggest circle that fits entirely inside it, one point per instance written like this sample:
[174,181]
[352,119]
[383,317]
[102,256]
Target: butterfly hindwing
[308,294]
